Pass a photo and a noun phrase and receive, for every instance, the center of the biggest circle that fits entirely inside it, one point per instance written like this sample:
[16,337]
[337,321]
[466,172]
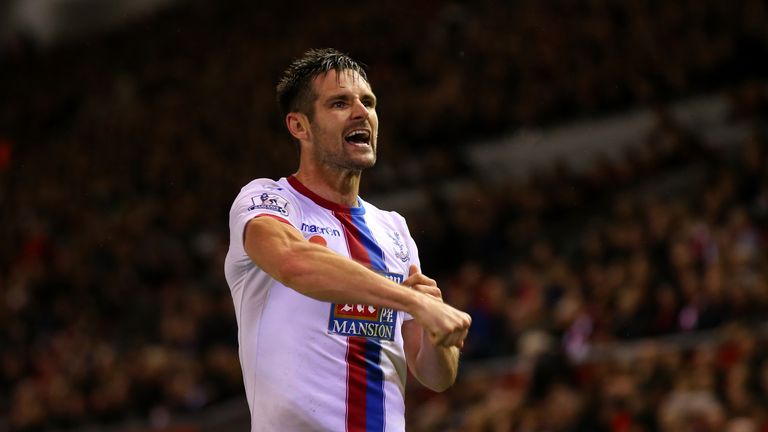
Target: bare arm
[318,272]
[435,366]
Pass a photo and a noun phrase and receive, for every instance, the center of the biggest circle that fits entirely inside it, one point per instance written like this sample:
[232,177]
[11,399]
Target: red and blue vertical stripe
[365,378]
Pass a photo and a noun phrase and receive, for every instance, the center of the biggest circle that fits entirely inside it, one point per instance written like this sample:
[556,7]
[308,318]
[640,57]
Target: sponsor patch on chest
[365,320]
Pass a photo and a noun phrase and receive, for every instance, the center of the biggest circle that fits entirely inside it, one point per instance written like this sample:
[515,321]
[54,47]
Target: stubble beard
[337,156]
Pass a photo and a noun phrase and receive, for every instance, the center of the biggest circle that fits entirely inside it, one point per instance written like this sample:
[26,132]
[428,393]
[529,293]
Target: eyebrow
[345,96]
[338,96]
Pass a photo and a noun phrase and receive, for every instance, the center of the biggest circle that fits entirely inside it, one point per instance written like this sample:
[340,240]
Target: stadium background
[586,178]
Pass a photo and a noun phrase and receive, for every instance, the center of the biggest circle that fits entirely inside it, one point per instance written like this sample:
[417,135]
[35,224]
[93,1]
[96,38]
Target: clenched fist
[445,325]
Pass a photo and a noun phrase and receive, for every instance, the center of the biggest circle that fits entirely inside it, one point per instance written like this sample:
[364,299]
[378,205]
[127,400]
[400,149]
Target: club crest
[400,249]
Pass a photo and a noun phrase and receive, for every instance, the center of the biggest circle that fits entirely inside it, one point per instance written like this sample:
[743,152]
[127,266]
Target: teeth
[358,131]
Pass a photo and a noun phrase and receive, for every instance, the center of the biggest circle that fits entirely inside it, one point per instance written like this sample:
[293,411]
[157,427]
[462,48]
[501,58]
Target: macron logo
[320,230]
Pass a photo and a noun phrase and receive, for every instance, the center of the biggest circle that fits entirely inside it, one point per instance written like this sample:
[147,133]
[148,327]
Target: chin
[370,163]
[363,162]
[364,165]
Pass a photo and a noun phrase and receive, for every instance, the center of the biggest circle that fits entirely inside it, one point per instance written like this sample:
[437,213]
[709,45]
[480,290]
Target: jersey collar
[322,202]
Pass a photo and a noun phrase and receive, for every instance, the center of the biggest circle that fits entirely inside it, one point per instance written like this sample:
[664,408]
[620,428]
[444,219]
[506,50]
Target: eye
[368,101]
[338,104]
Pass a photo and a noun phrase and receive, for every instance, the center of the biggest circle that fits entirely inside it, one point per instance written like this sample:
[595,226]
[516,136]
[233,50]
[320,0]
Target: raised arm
[317,272]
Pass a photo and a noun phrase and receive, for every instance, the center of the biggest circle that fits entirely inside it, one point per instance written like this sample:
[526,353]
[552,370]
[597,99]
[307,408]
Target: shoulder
[259,186]
[371,208]
[267,184]
[266,193]
[394,216]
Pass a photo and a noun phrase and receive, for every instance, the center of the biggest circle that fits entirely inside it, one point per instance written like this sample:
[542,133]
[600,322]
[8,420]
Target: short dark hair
[294,90]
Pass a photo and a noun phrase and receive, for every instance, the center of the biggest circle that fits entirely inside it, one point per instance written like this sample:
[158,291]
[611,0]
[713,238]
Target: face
[344,128]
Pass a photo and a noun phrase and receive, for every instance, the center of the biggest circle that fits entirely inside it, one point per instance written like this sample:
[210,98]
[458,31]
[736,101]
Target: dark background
[123,145]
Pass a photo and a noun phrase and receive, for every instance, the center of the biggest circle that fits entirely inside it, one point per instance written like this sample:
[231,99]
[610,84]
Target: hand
[445,325]
[423,284]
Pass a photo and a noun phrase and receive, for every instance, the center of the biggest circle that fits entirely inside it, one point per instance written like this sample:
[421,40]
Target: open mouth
[359,137]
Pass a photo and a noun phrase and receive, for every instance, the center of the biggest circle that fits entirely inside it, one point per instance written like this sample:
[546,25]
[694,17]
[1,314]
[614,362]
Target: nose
[359,111]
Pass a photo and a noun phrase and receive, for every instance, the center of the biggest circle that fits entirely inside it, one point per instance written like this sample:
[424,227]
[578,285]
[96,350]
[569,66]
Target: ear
[298,125]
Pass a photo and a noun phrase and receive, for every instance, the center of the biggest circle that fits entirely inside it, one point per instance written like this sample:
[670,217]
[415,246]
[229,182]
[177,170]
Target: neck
[338,186]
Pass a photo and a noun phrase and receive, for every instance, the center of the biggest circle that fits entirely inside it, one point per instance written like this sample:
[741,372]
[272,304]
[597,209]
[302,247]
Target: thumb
[412,270]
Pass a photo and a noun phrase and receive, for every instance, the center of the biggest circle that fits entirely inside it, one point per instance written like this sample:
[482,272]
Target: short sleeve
[263,197]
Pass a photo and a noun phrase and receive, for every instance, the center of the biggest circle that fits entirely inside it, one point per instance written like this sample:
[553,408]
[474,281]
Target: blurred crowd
[646,265]
[717,386]
[669,239]
[119,158]
[614,253]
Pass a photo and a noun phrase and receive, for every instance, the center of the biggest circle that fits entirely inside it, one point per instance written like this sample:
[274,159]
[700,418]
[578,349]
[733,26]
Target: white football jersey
[310,365]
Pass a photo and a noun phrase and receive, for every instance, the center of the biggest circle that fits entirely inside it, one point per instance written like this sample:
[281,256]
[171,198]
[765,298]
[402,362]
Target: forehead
[347,81]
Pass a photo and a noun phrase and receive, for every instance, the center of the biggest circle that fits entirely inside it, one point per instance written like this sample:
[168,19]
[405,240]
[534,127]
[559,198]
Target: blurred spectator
[116,177]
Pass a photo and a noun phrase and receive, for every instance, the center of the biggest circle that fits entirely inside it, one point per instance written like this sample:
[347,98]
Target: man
[330,303]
